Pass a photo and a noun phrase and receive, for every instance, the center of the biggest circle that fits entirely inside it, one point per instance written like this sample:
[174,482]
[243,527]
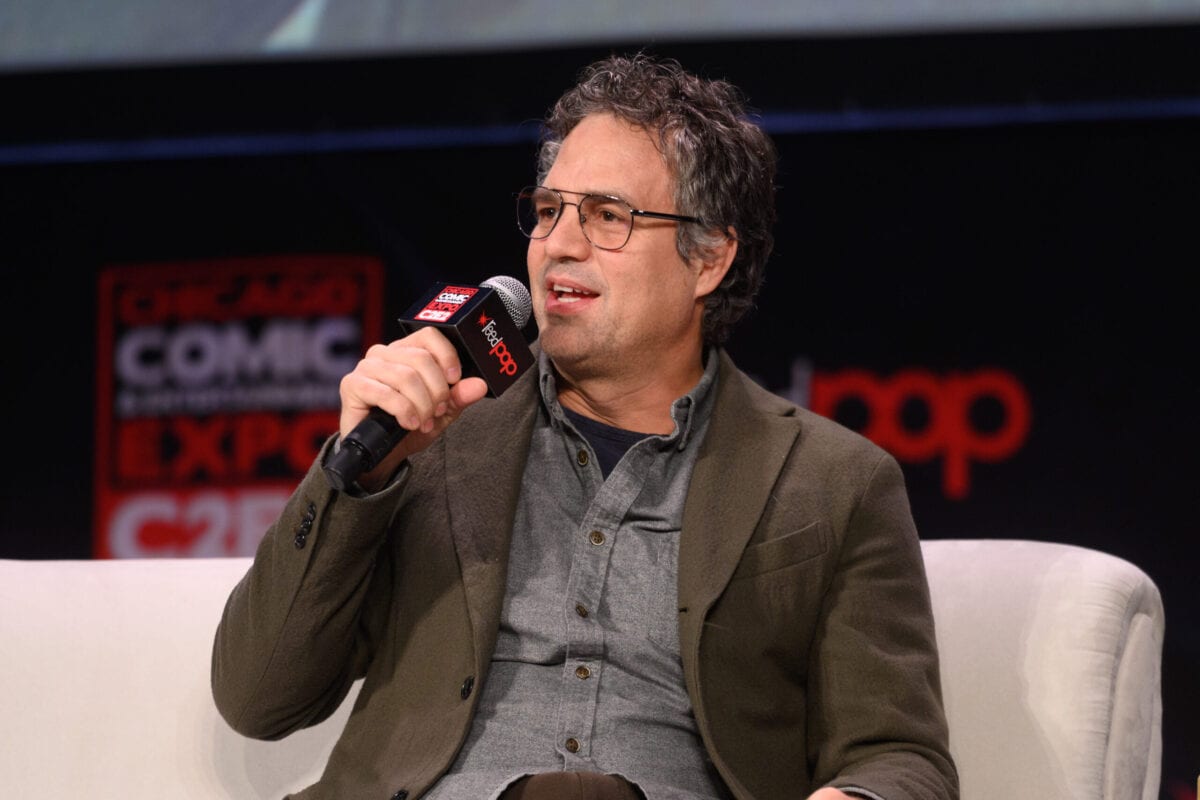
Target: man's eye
[546,213]
[608,213]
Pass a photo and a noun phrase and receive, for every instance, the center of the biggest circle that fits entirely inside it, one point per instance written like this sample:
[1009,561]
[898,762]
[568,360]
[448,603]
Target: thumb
[466,393]
[463,394]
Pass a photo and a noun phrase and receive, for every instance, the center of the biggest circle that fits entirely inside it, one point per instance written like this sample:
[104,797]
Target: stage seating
[1051,665]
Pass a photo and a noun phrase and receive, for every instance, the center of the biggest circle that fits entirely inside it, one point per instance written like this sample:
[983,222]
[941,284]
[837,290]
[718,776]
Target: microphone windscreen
[515,297]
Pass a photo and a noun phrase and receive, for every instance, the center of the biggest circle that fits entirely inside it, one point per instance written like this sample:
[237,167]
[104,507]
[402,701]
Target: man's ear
[714,261]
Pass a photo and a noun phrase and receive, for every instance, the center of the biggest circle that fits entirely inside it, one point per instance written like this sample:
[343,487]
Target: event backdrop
[982,262]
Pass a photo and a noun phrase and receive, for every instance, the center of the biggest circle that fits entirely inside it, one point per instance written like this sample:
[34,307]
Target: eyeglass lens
[606,221]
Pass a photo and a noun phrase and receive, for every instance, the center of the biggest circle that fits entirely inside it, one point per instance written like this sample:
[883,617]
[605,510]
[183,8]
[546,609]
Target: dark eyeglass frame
[562,201]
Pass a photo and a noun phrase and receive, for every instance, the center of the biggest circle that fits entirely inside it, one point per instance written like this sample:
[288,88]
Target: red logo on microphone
[508,365]
[446,304]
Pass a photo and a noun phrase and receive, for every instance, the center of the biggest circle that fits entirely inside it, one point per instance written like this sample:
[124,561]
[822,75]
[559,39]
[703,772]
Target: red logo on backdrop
[946,402]
[447,303]
[217,382]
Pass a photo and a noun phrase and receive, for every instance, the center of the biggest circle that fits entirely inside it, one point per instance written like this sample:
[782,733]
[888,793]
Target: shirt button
[582,672]
[401,795]
[465,690]
[596,537]
[582,457]
[572,745]
[580,610]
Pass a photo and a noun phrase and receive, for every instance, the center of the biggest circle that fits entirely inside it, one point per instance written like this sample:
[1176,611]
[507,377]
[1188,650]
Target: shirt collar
[689,411]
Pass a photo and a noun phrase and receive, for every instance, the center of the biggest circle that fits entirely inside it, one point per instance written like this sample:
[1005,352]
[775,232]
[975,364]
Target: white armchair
[1050,667]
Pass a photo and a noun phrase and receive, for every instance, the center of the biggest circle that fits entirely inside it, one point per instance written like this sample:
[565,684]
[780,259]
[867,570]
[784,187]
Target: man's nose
[568,240]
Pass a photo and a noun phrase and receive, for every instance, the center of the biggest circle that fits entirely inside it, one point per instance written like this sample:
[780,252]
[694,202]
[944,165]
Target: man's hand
[829,793]
[418,380]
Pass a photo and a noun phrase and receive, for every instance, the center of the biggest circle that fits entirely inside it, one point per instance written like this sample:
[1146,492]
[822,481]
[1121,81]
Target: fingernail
[412,423]
[453,374]
[427,426]
[441,410]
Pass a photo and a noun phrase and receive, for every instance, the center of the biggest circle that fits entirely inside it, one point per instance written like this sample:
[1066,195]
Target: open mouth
[570,294]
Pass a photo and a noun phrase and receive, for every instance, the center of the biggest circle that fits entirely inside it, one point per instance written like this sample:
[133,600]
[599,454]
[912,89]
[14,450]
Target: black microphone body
[484,325]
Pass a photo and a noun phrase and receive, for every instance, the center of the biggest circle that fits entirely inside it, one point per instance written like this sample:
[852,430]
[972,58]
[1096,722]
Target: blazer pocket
[784,551]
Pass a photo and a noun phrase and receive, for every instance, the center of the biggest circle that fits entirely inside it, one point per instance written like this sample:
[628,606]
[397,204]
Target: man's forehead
[609,156]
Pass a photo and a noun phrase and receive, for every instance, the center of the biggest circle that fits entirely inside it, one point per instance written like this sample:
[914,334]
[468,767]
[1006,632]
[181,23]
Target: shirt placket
[592,549]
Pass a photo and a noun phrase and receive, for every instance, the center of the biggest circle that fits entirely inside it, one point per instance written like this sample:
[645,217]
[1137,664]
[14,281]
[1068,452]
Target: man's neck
[640,403]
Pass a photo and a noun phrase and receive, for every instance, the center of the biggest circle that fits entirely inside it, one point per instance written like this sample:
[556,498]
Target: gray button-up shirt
[586,674]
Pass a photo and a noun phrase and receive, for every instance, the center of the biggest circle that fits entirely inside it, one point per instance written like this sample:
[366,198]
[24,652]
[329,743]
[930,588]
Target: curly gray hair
[723,164]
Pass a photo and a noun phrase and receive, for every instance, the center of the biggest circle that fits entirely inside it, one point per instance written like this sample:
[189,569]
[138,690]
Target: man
[635,574]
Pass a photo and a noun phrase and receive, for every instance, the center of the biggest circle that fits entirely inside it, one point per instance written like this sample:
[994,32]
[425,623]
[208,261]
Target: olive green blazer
[804,620]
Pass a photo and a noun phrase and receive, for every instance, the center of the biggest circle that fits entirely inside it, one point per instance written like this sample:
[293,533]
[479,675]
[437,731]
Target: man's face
[608,314]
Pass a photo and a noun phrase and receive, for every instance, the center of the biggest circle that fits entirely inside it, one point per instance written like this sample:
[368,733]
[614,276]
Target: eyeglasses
[607,222]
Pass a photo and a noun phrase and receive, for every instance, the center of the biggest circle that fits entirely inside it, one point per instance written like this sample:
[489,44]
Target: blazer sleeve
[876,719]
[301,626]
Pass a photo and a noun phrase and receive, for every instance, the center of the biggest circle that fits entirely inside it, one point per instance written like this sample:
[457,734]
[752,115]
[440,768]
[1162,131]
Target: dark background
[1022,201]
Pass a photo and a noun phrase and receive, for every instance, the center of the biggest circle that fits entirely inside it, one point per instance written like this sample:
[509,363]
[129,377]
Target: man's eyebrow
[596,192]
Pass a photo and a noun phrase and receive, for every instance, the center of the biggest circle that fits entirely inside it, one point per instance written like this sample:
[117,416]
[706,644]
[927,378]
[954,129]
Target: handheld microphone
[484,324]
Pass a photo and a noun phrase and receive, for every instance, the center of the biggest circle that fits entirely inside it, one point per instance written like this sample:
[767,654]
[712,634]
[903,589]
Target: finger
[415,374]
[443,352]
[402,391]
[404,381]
[434,358]
[361,393]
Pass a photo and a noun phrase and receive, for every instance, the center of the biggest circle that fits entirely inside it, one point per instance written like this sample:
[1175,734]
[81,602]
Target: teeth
[565,293]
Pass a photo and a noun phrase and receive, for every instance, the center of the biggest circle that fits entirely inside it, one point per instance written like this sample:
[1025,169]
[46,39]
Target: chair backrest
[104,687]
[1051,667]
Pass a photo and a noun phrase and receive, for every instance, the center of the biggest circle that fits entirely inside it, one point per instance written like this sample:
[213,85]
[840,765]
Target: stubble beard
[578,353]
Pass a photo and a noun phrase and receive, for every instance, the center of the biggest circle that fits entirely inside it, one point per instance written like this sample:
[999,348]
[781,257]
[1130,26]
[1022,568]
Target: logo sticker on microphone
[508,364]
[446,304]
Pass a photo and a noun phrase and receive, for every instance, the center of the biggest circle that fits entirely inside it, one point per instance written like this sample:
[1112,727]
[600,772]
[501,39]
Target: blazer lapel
[749,437]
[485,461]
